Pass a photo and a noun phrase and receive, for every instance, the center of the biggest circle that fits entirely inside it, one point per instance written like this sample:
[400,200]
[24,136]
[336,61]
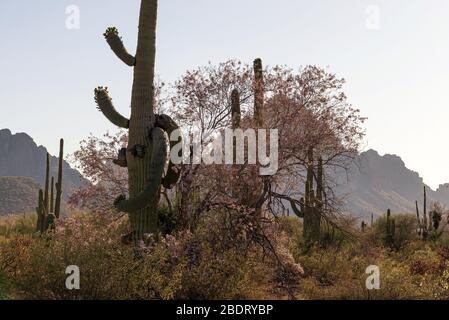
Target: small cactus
[390,230]
[363,226]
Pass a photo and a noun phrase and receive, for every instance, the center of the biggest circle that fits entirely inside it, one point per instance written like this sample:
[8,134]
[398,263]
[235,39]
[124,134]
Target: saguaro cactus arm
[58,184]
[167,124]
[40,211]
[115,42]
[299,212]
[149,195]
[235,109]
[104,103]
[52,195]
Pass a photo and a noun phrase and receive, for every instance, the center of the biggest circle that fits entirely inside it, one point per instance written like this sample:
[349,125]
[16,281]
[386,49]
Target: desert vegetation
[148,228]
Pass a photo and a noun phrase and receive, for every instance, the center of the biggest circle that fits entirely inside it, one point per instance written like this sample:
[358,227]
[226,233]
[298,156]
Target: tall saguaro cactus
[424,224]
[47,209]
[311,206]
[52,195]
[390,230]
[259,100]
[146,153]
[235,109]
[259,92]
[59,182]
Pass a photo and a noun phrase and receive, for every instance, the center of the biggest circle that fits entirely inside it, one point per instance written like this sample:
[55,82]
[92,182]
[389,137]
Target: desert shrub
[17,225]
[340,274]
[230,254]
[170,219]
[36,264]
[3,285]
[334,274]
[415,270]
[405,231]
[220,259]
[424,261]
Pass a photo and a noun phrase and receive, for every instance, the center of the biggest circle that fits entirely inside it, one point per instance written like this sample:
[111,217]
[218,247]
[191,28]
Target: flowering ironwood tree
[308,107]
[95,160]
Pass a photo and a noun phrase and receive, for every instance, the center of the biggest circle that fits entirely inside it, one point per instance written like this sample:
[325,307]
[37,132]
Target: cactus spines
[58,184]
[235,109]
[146,153]
[258,92]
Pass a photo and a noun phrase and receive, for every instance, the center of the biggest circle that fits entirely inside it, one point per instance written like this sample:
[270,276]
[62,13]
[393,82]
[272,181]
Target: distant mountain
[17,195]
[21,157]
[376,183]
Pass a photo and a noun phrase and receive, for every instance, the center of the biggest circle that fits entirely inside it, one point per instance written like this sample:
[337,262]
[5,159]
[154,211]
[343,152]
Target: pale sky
[394,55]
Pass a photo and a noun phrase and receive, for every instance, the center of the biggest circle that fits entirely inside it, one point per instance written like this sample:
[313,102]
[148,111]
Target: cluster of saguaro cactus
[430,221]
[311,205]
[146,153]
[390,230]
[259,92]
[424,224]
[49,208]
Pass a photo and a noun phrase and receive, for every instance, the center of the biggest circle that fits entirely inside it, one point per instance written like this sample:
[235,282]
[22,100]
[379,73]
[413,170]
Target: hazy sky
[394,55]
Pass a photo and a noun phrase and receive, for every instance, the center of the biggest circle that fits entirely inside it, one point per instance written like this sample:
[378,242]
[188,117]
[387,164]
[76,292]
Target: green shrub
[3,285]
[11,226]
[405,231]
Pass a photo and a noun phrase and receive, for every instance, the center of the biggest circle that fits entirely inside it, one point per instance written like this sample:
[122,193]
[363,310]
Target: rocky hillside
[376,183]
[17,195]
[21,157]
